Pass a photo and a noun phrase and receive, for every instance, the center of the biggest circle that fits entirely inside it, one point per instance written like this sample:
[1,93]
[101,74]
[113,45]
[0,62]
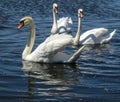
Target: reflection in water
[48,71]
[49,79]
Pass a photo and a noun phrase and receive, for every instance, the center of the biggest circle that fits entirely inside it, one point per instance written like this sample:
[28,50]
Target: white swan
[50,50]
[93,36]
[62,25]
[96,36]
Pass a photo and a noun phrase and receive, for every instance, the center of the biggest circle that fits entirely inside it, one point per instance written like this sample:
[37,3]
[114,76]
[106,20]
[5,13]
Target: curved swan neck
[77,37]
[55,26]
[30,42]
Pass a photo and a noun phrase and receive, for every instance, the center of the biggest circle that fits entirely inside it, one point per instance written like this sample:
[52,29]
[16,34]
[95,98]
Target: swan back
[92,36]
[52,45]
[64,24]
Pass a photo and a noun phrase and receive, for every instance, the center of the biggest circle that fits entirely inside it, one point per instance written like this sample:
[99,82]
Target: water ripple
[95,76]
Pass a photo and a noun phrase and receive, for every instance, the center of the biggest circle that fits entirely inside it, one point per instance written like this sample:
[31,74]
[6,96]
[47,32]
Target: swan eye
[22,21]
[21,24]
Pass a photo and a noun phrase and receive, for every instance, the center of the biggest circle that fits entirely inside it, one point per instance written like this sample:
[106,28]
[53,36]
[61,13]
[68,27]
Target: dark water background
[94,78]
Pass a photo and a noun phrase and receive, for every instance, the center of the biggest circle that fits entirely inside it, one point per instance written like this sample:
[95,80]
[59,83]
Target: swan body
[50,50]
[96,36]
[62,25]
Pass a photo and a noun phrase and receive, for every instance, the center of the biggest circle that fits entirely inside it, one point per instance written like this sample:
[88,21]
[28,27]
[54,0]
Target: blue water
[94,78]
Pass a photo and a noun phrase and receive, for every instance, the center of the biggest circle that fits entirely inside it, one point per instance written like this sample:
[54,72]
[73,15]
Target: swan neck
[77,37]
[54,16]
[55,26]
[30,42]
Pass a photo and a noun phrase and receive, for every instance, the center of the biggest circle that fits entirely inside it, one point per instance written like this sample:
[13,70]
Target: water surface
[94,78]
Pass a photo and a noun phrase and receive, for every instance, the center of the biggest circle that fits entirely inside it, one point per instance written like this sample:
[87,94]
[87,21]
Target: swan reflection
[47,71]
[49,79]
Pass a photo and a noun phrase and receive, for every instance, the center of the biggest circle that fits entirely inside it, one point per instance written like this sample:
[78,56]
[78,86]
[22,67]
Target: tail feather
[106,40]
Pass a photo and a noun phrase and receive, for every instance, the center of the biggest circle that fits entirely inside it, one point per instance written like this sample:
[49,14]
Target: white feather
[64,24]
[107,38]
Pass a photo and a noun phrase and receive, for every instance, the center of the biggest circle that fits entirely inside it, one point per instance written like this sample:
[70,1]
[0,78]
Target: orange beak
[56,10]
[20,25]
[81,15]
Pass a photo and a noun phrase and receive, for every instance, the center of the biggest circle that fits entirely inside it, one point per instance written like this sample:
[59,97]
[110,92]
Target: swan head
[27,20]
[80,13]
[55,8]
